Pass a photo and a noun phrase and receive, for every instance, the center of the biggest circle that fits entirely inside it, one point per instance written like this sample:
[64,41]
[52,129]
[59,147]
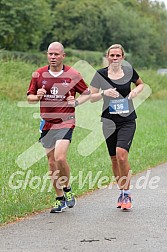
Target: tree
[140,26]
[22,23]
[79,24]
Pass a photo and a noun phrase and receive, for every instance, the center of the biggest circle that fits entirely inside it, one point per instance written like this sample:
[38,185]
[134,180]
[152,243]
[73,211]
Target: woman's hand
[111,92]
[132,94]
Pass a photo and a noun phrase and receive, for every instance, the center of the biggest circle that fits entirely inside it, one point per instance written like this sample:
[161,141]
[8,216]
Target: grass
[19,131]
[157,82]
[149,145]
[28,190]
[15,77]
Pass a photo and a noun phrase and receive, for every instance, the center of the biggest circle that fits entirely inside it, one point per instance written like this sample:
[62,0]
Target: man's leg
[58,166]
[60,175]
[62,166]
[61,149]
[55,174]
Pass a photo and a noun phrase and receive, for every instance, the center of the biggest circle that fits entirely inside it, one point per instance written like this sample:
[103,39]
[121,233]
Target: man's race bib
[119,106]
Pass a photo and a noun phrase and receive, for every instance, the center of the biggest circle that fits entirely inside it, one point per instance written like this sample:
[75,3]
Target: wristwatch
[102,93]
[76,103]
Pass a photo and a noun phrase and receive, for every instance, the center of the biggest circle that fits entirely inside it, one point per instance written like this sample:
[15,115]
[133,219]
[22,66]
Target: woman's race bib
[119,106]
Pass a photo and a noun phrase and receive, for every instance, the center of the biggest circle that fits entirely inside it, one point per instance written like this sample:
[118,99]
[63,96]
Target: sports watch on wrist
[76,103]
[102,93]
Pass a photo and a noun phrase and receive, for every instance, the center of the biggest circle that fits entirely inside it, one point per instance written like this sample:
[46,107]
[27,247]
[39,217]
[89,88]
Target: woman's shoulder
[103,71]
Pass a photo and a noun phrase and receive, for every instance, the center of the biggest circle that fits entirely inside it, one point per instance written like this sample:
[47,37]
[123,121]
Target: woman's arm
[96,95]
[139,87]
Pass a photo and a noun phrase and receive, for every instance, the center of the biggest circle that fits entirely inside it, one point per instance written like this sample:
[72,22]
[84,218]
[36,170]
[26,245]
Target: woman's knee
[114,159]
[121,154]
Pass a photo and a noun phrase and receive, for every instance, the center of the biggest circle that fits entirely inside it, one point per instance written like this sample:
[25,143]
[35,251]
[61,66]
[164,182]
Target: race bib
[119,106]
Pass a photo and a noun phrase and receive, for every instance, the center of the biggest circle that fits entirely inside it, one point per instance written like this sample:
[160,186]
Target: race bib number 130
[119,106]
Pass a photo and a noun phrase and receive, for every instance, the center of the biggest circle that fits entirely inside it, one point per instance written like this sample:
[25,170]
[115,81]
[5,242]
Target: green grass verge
[19,131]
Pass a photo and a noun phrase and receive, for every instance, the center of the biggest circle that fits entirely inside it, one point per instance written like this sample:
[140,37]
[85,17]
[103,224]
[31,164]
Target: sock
[66,189]
[60,198]
[127,192]
[121,191]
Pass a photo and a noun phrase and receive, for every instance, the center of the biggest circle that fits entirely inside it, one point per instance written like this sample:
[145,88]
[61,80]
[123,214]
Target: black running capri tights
[118,135]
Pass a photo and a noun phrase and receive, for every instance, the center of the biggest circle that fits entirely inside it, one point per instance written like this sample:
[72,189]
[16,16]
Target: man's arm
[32,98]
[80,100]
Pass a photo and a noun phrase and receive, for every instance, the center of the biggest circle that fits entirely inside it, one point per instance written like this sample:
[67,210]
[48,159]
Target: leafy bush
[33,58]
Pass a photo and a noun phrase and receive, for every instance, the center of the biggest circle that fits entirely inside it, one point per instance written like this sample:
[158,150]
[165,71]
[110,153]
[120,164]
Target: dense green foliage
[23,23]
[140,26]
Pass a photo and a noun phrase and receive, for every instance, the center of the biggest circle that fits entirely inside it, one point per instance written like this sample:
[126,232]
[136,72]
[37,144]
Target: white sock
[127,192]
[121,191]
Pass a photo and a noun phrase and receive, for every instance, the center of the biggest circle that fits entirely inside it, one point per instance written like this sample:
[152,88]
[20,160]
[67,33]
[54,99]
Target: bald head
[56,56]
[56,46]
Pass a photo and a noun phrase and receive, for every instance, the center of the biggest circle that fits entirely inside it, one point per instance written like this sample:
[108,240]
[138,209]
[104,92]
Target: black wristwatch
[102,93]
[76,103]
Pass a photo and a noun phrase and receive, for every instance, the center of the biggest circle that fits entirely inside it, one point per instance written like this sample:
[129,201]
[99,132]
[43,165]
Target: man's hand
[41,92]
[70,100]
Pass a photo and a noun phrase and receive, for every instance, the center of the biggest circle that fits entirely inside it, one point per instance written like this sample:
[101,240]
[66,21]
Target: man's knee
[60,160]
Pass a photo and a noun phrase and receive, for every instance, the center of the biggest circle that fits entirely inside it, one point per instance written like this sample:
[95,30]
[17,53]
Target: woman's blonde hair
[116,46]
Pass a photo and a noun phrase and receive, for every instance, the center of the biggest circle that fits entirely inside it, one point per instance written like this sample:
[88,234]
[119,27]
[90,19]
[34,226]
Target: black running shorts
[49,137]
[118,135]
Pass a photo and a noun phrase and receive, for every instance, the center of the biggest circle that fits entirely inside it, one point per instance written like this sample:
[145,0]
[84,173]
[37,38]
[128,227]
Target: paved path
[95,224]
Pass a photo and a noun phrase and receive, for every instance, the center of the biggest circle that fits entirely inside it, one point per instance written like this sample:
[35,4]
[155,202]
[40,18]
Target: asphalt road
[96,225]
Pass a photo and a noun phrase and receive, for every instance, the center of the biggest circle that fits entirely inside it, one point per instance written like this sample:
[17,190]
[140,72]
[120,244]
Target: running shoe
[59,206]
[120,200]
[69,198]
[127,202]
